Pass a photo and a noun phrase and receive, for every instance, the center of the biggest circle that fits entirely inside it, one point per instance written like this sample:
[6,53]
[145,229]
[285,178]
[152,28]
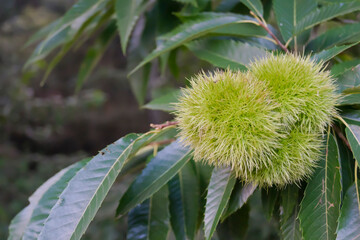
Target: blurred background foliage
[44,129]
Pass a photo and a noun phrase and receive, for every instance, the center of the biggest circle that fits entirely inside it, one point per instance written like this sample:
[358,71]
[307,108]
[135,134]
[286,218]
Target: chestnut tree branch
[264,25]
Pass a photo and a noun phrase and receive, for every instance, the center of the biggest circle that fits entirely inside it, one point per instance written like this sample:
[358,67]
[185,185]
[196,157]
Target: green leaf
[328,54]
[127,14]
[226,53]
[349,220]
[70,23]
[351,116]
[239,197]
[94,54]
[32,217]
[268,198]
[335,36]
[48,201]
[184,204]
[349,82]
[289,13]
[82,197]
[350,99]
[346,161]
[219,190]
[255,6]
[42,32]
[165,102]
[325,13]
[320,206]
[235,226]
[240,30]
[341,68]
[290,228]
[289,199]
[353,136]
[150,219]
[157,173]
[190,30]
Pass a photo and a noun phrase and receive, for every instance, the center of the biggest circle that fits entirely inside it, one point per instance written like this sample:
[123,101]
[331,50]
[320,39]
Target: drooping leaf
[325,13]
[349,220]
[289,13]
[226,53]
[184,202]
[188,31]
[255,6]
[335,36]
[82,197]
[328,54]
[94,54]
[150,219]
[42,32]
[127,14]
[157,173]
[38,209]
[269,198]
[165,102]
[219,190]
[289,197]
[239,197]
[70,23]
[290,226]
[319,209]
[353,136]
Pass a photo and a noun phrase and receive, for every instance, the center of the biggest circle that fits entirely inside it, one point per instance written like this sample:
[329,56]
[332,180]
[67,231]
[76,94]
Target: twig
[341,135]
[164,125]
[263,25]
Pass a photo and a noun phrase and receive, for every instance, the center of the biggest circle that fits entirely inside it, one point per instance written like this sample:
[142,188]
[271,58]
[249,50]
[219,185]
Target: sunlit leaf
[82,197]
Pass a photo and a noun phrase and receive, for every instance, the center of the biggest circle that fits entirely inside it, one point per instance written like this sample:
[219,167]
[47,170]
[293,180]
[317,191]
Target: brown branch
[261,23]
[164,125]
[341,135]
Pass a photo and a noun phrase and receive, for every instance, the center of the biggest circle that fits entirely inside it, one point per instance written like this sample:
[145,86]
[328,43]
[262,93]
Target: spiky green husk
[265,124]
[302,88]
[229,120]
[294,160]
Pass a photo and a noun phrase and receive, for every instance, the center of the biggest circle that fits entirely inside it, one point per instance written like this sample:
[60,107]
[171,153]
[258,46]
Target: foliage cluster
[173,193]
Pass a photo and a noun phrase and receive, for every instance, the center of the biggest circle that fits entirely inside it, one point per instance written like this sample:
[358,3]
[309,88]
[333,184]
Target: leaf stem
[341,135]
[356,185]
[164,125]
[264,25]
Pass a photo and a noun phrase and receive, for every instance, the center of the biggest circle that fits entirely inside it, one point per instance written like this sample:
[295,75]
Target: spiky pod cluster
[265,124]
